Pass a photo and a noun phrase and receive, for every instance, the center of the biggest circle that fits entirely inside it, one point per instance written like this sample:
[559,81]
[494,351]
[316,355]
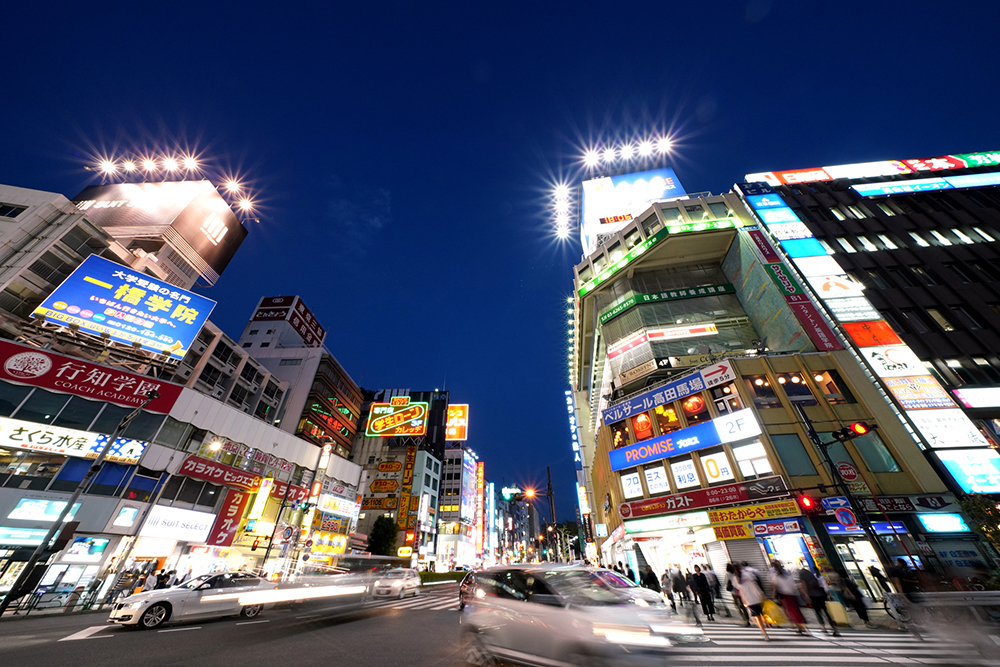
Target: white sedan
[207,596]
[397,583]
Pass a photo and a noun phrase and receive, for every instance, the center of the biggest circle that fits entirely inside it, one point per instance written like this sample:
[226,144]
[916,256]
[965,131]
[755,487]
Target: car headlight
[135,605]
[377,582]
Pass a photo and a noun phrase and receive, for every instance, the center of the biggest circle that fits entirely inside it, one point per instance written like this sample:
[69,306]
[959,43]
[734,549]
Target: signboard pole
[15,591]
[853,504]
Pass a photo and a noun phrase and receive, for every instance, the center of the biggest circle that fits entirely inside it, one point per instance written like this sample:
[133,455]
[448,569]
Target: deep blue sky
[402,151]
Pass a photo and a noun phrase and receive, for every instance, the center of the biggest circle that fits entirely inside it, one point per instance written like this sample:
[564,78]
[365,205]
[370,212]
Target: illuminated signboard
[705,226]
[66,441]
[857,309]
[260,501]
[469,488]
[943,523]
[480,519]
[397,418]
[669,295]
[457,425]
[927,184]
[37,509]
[610,201]
[876,333]
[102,297]
[667,522]
[727,428]
[86,550]
[676,333]
[947,428]
[291,309]
[893,361]
[876,169]
[915,393]
[335,505]
[177,524]
[975,470]
[27,537]
[979,398]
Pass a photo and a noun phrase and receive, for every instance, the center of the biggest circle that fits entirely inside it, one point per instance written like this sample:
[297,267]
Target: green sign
[614,268]
[669,295]
[980,159]
[779,274]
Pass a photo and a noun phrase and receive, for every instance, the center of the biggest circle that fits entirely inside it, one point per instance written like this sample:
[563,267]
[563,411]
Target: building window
[833,388]
[986,269]
[962,236]
[793,454]
[265,345]
[887,242]
[752,460]
[858,213]
[290,362]
[666,418]
[796,389]
[915,322]
[876,278]
[253,332]
[899,273]
[270,331]
[695,409]
[967,317]
[726,399]
[763,392]
[837,214]
[940,319]
[868,245]
[925,276]
[846,245]
[965,277]
[619,437]
[919,239]
[875,453]
[885,209]
[940,237]
[247,344]
[986,237]
[720,211]
[371,460]
[11,210]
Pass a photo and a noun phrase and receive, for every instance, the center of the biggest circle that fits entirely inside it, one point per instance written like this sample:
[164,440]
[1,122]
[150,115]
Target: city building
[402,450]
[701,362]
[456,544]
[323,403]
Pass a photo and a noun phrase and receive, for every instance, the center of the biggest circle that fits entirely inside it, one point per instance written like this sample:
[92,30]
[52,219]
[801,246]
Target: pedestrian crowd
[828,593]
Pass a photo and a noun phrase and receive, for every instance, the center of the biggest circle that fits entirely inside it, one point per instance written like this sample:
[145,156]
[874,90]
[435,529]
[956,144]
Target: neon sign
[397,418]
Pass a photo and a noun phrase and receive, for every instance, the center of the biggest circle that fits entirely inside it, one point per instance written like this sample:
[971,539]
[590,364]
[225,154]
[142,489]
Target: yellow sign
[404,552]
[259,502]
[754,512]
[734,531]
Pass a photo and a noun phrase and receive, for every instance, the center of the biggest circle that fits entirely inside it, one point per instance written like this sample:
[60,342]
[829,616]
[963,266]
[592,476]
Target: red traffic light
[807,502]
[859,428]
[855,430]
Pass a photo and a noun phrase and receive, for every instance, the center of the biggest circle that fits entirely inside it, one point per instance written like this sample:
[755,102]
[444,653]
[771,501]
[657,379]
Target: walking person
[733,586]
[788,593]
[883,583]
[704,592]
[813,590]
[716,588]
[650,580]
[630,574]
[171,578]
[753,597]
[665,588]
[854,597]
[618,568]
[150,582]
[691,586]
[678,584]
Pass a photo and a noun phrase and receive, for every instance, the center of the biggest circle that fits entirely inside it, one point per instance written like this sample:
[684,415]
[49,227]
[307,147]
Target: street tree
[382,539]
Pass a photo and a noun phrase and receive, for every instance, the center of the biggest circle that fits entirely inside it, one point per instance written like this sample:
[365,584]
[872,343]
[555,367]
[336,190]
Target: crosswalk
[740,645]
[441,599]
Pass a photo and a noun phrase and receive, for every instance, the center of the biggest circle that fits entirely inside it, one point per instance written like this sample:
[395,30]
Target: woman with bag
[854,597]
[733,586]
[813,589]
[753,597]
[788,593]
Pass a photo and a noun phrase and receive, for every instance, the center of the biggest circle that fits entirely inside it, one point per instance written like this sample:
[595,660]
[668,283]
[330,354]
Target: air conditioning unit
[218,393]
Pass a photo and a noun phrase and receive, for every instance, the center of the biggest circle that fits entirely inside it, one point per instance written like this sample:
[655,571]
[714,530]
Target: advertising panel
[853,310]
[947,428]
[988,397]
[919,392]
[893,361]
[693,382]
[480,519]
[773,510]
[669,295]
[404,496]
[293,310]
[218,473]
[717,468]
[734,531]
[188,213]
[67,375]
[67,441]
[943,523]
[467,510]
[399,417]
[40,509]
[728,494]
[975,470]
[684,474]
[727,428]
[631,486]
[610,202]
[338,506]
[384,485]
[667,522]
[777,527]
[228,521]
[379,503]
[85,549]
[173,523]
[876,333]
[457,425]
[102,297]
[21,537]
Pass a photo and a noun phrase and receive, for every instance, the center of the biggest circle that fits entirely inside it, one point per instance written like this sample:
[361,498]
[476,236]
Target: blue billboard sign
[610,202]
[881,528]
[975,470]
[927,184]
[666,393]
[102,297]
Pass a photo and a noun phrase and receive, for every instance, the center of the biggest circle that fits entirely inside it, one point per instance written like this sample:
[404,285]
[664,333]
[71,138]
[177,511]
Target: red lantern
[694,405]
[642,426]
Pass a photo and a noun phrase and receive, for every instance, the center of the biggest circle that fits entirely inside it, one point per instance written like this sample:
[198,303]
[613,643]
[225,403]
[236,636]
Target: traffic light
[855,430]
[808,505]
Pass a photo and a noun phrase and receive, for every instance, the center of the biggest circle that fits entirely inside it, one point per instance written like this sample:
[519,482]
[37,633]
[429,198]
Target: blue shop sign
[881,528]
[689,384]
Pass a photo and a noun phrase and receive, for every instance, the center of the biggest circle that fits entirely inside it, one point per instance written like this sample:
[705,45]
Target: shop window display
[796,389]
[762,391]
[29,470]
[726,399]
[642,426]
[834,389]
[695,409]
[619,435]
[666,418]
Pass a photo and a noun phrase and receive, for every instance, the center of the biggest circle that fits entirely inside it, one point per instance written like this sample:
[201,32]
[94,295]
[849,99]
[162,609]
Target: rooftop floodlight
[108,167]
[190,163]
[663,144]
[562,192]
[129,166]
[232,186]
[627,151]
[245,204]
[562,232]
[591,158]
[562,207]
[562,219]
[646,148]
[148,165]
[609,155]
[170,164]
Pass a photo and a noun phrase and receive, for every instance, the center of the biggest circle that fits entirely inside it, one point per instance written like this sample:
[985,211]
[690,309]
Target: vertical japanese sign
[404,499]
[228,520]
[457,424]
[480,500]
[102,297]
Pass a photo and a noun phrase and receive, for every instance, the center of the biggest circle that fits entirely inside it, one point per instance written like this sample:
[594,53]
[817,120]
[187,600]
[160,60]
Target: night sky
[401,154]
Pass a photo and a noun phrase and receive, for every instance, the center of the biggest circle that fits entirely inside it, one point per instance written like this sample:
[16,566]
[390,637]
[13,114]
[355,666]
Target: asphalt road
[417,632]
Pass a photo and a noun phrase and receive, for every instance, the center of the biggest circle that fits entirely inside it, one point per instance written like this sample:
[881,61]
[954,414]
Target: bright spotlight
[170,164]
[563,232]
[627,151]
[609,155]
[591,158]
[562,219]
[663,144]
[149,165]
[108,167]
[562,192]
[190,163]
[562,207]
[646,148]
[129,166]
[232,186]
[245,204]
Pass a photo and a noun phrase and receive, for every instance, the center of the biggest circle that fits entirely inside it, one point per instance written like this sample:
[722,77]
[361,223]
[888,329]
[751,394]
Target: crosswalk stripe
[87,633]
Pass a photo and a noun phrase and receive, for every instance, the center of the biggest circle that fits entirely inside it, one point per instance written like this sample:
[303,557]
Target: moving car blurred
[399,583]
[466,589]
[567,615]
[202,597]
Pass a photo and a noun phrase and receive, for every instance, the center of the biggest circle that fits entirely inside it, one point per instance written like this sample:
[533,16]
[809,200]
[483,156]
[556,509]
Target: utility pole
[839,482]
[57,524]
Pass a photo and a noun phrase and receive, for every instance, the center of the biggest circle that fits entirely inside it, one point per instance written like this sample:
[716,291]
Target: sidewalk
[877,615]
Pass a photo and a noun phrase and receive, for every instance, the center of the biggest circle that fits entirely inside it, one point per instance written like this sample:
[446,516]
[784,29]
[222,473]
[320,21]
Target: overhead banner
[68,375]
[726,494]
[228,520]
[102,297]
[689,384]
[734,531]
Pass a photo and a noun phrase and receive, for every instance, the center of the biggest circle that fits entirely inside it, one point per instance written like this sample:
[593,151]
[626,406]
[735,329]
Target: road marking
[86,634]
[252,622]
[198,627]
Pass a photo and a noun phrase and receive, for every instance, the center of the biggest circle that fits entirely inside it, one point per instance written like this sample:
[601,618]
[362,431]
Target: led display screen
[610,201]
[469,488]
[975,470]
